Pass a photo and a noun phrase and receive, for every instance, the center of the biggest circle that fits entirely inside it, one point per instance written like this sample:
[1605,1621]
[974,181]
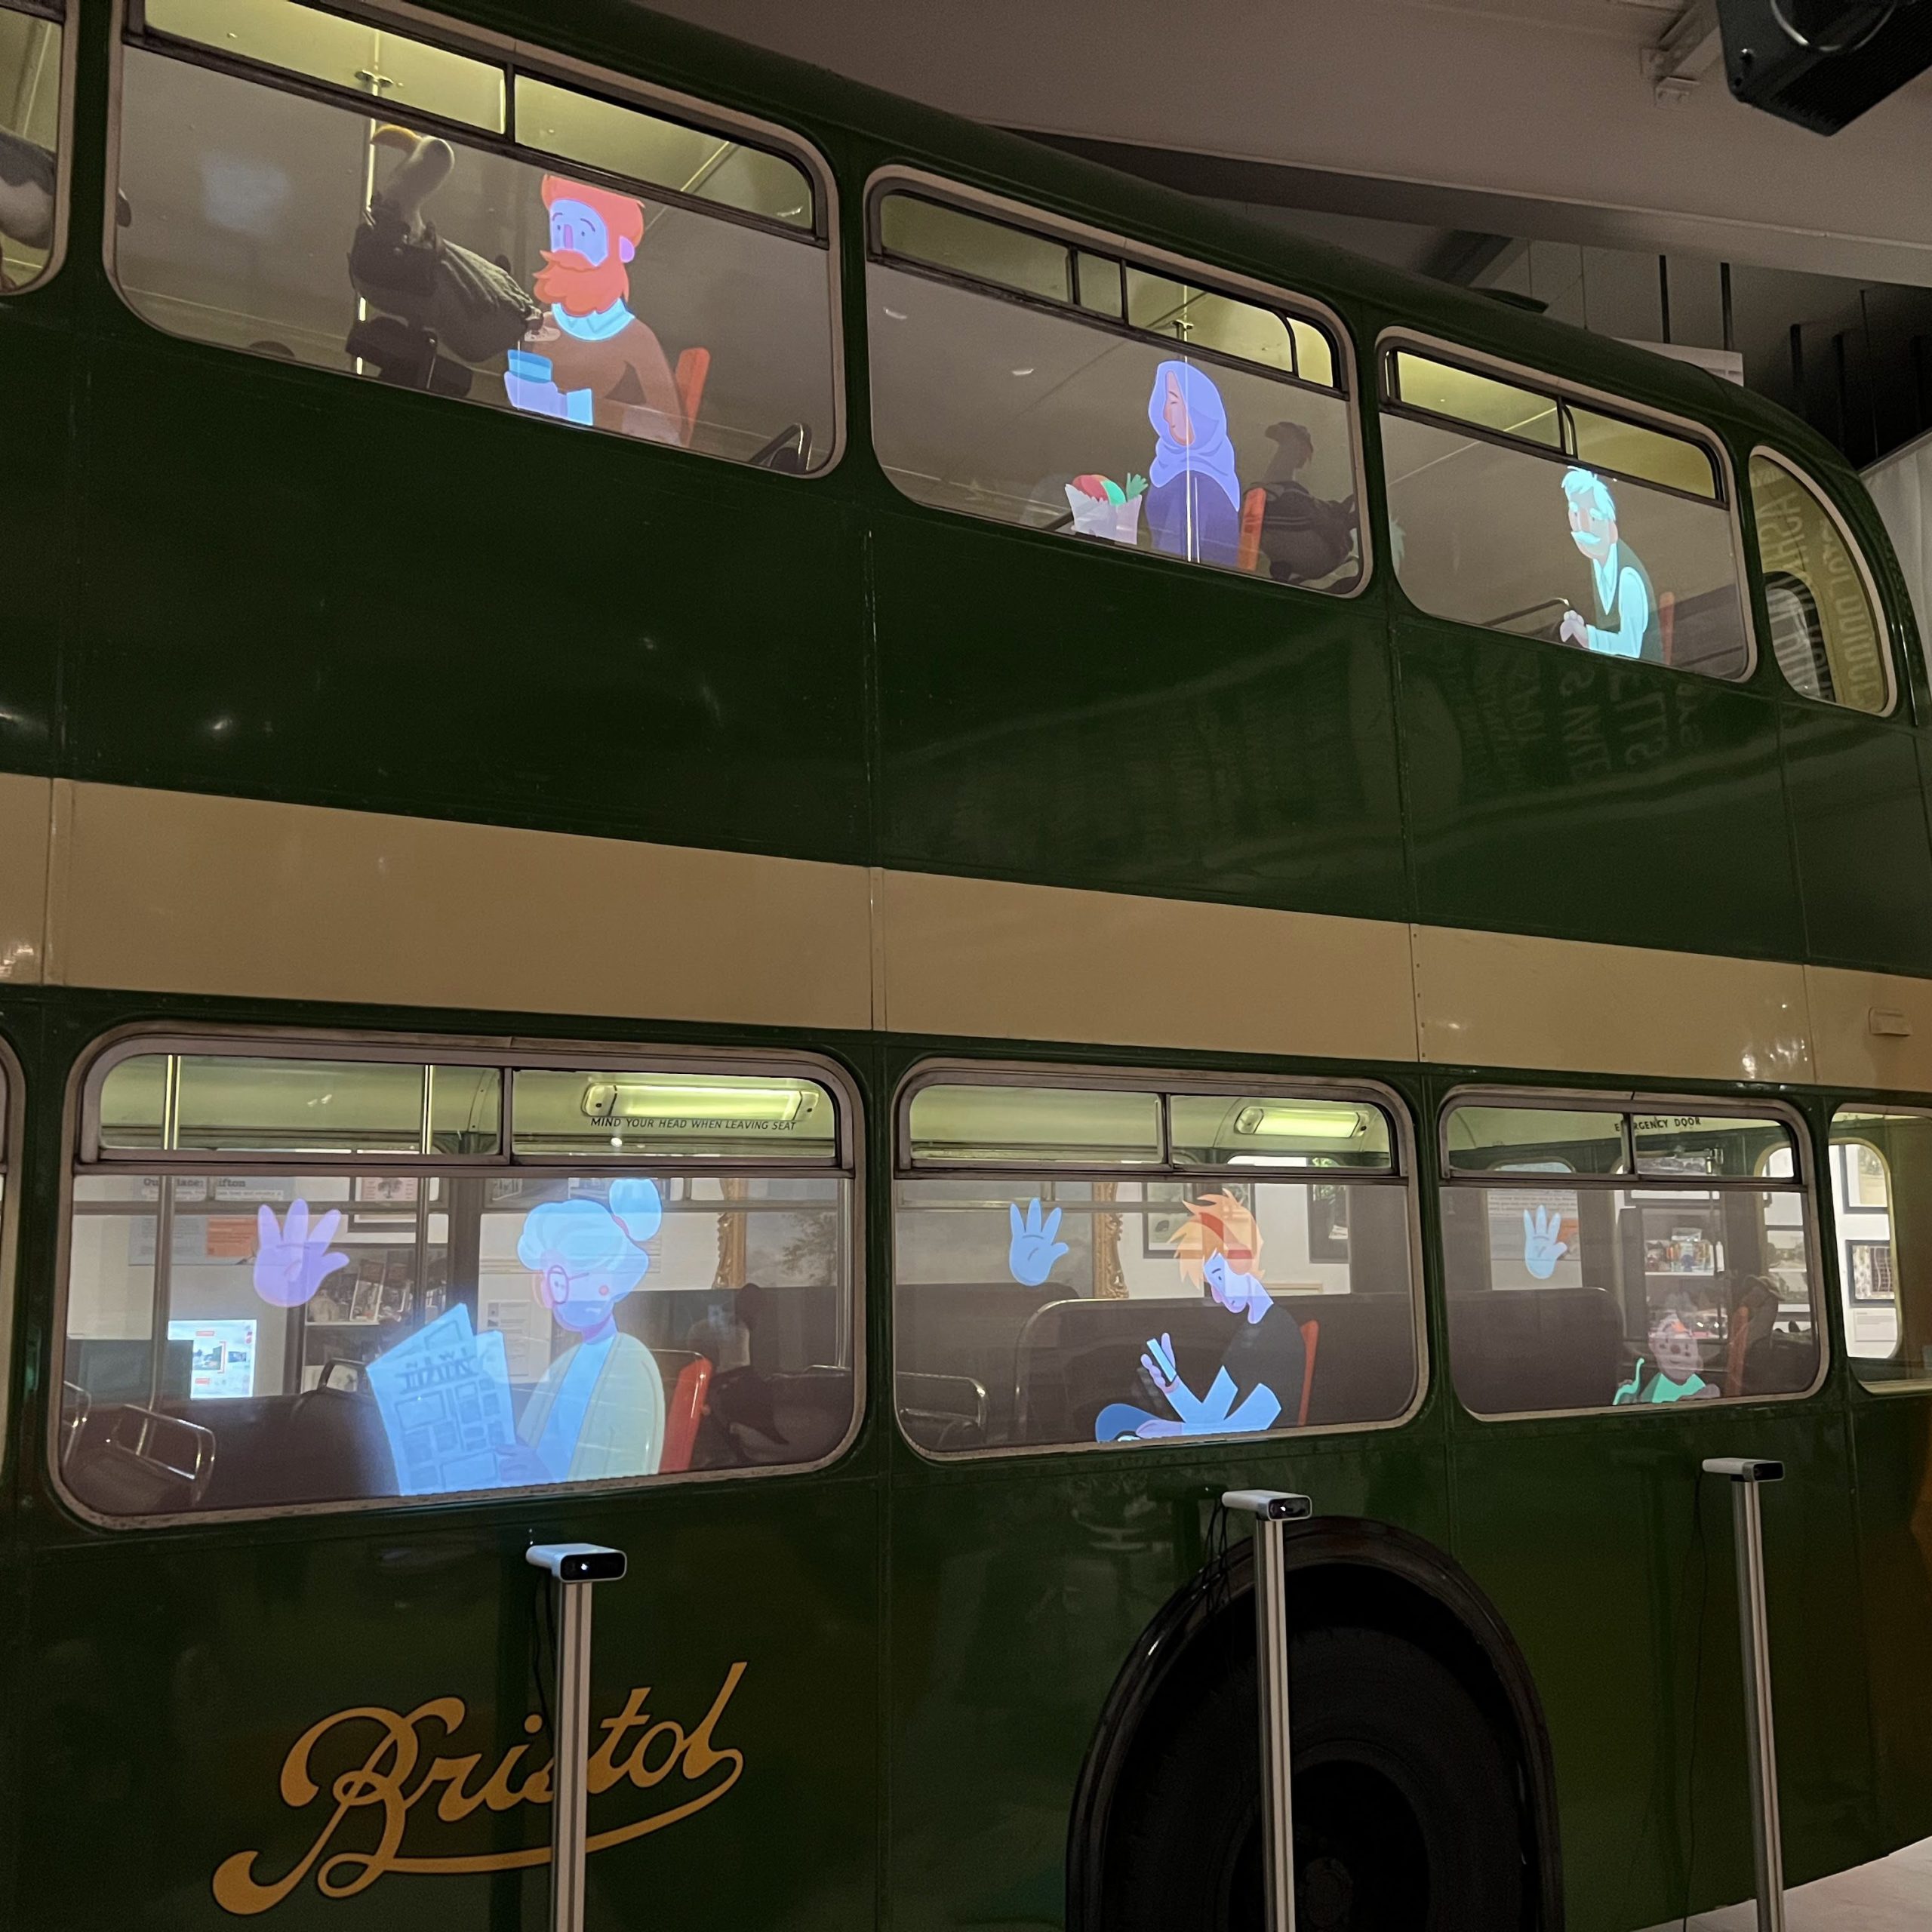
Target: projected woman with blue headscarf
[1194,493]
[599,1409]
[1626,605]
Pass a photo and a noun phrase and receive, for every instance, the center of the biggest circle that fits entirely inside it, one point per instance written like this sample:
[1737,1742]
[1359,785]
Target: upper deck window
[1516,508]
[325,190]
[32,139]
[305,1279]
[1825,631]
[1608,1256]
[1079,1262]
[1053,382]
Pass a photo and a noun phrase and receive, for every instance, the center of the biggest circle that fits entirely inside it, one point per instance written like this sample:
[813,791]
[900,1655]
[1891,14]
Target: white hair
[1580,483]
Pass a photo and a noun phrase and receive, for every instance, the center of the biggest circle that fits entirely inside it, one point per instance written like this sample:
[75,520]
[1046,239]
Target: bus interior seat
[1703,631]
[114,1371]
[1073,1357]
[694,365]
[1527,1350]
[790,452]
[1782,1364]
[943,1413]
[130,1460]
[1254,508]
[687,1380]
[325,1445]
[967,1329]
[792,1416]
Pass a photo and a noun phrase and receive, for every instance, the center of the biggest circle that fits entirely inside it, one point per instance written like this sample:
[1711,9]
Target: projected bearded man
[591,361]
[1626,606]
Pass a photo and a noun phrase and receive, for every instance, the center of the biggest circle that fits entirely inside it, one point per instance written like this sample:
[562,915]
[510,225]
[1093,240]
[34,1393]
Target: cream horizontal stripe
[983,957]
[176,892]
[1513,999]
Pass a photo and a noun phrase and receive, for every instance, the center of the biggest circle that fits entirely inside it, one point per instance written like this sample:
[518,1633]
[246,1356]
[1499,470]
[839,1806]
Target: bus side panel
[1551,791]
[1893,1434]
[1017,1590]
[344,1720]
[1864,860]
[1610,1556]
[1053,712]
[36,364]
[307,588]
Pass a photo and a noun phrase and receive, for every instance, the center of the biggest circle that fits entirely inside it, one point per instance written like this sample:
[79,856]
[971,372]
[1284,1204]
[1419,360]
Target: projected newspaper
[444,1396]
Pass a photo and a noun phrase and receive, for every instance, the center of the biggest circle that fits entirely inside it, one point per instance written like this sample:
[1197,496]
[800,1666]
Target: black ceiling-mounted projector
[1823,63]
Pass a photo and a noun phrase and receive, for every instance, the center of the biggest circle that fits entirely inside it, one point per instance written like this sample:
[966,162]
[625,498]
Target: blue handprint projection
[1034,1248]
[1543,1246]
[293,1260]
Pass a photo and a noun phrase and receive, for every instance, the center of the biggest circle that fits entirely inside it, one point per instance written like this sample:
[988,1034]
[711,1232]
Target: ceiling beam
[1689,48]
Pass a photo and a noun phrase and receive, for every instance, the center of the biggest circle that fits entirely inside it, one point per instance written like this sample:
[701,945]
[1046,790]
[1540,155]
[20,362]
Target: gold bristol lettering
[638,1752]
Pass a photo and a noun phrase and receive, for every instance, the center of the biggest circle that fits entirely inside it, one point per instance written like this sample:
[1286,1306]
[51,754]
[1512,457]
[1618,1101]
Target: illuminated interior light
[726,1107]
[1302,1123]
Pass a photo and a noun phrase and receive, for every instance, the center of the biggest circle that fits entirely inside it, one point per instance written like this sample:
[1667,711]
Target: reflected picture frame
[1869,1272]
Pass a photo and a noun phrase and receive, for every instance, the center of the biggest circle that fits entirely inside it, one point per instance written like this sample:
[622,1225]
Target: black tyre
[1404,1811]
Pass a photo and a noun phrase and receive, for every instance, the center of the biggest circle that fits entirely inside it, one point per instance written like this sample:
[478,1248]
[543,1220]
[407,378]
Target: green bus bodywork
[885,1681]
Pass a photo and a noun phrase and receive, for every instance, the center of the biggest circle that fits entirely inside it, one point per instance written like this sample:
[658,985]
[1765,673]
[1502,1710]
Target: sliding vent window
[32,62]
[1036,381]
[298,1281]
[1601,1258]
[322,191]
[1080,1263]
[1516,510]
[1881,1170]
[1825,631]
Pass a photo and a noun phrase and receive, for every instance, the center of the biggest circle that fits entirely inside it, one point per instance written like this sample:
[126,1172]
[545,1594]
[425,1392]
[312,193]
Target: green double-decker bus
[740,824]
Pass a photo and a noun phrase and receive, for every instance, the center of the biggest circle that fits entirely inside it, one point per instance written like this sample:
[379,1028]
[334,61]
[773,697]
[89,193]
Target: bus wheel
[1404,1815]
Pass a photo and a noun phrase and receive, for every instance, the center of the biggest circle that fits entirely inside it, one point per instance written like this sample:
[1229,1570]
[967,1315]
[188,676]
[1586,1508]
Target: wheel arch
[1340,1570]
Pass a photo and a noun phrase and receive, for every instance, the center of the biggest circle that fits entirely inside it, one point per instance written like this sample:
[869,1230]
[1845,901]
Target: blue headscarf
[1210,454]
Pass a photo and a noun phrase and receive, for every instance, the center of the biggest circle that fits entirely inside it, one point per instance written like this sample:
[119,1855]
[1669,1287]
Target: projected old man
[1626,605]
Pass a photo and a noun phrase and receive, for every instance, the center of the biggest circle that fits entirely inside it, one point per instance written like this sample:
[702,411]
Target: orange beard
[576,286]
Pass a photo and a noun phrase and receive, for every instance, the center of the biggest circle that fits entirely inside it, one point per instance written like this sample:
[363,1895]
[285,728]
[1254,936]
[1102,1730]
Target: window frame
[1403,1172]
[1882,614]
[81,1115]
[1630,1101]
[1603,402]
[1920,1384]
[1004,212]
[514,57]
[64,14]
[13,1117]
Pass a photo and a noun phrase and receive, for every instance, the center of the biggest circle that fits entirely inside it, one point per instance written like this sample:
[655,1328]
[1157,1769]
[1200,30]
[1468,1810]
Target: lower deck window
[1596,1259]
[291,1328]
[1090,1265]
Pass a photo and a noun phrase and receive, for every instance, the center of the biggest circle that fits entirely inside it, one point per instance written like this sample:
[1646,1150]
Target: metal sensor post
[572,1568]
[1271,1508]
[1745,1475]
